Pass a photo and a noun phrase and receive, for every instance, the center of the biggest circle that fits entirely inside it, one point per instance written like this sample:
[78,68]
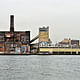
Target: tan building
[68,43]
[44,36]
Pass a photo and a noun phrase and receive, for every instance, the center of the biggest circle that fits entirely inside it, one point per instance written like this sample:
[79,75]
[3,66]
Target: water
[38,67]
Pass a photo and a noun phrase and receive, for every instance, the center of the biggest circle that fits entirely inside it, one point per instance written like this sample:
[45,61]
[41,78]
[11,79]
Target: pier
[60,51]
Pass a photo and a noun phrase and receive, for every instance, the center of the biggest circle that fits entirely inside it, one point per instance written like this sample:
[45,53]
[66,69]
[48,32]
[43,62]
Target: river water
[38,67]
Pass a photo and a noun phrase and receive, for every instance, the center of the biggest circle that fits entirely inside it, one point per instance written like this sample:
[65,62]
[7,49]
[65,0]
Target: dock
[60,51]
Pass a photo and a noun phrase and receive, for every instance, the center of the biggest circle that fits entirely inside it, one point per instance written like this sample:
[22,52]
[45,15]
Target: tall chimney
[11,23]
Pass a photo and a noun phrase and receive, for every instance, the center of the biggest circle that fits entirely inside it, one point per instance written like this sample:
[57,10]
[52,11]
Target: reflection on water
[53,67]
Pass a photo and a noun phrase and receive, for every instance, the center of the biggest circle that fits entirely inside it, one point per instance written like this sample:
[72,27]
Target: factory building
[44,37]
[12,41]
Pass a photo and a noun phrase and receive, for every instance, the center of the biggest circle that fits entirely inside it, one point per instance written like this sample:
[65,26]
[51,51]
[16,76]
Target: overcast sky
[62,16]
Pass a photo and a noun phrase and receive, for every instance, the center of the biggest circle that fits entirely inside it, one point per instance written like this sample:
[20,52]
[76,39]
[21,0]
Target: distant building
[68,43]
[75,43]
[14,41]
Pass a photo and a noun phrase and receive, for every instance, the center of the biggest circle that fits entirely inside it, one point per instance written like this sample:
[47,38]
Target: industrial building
[14,41]
[68,43]
[44,39]
[18,42]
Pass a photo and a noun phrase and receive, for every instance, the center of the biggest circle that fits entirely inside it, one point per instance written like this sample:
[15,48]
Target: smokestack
[11,23]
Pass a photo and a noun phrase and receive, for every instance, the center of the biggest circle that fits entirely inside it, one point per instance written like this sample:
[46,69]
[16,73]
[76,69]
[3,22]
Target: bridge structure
[34,39]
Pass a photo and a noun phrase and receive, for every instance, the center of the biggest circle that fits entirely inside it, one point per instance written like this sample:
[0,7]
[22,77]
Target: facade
[44,37]
[14,41]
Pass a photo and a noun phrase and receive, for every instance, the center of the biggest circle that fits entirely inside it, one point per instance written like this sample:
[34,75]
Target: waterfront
[38,67]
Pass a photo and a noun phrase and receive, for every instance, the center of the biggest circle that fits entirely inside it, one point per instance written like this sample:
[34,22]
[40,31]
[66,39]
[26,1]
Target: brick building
[12,41]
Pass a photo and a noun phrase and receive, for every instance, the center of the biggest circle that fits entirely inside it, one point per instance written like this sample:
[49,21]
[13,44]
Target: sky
[62,17]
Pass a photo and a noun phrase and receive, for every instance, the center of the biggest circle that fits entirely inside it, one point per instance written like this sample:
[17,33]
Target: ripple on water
[40,67]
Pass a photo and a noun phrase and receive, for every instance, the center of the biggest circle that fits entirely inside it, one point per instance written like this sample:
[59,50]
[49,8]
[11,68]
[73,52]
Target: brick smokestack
[11,23]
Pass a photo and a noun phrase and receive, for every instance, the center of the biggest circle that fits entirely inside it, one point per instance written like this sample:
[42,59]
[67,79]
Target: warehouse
[16,42]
